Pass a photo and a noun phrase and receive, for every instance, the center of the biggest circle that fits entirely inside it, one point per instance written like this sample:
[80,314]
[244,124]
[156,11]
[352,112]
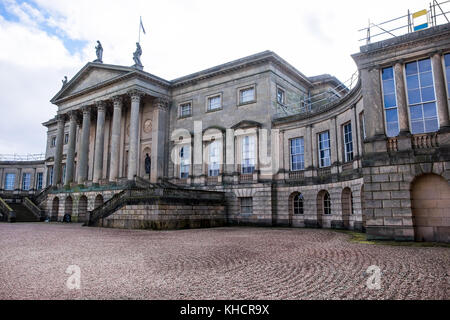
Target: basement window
[246,205]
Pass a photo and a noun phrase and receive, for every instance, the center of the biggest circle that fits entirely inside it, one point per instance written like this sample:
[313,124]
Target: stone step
[22,213]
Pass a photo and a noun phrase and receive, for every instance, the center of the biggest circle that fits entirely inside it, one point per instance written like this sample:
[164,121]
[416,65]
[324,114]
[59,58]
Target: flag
[420,20]
[142,26]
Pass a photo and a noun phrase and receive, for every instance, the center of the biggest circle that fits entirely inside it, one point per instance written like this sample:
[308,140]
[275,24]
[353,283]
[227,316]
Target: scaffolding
[18,157]
[320,101]
[435,14]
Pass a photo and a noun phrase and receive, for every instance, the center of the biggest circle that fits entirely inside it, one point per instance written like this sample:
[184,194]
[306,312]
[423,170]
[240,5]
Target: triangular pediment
[91,76]
[94,77]
[247,124]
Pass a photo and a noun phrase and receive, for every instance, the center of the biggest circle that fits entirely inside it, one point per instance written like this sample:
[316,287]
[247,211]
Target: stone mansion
[252,142]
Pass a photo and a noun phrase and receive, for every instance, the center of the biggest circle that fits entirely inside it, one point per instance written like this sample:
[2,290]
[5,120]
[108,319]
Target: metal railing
[436,14]
[32,207]
[320,101]
[18,157]
[42,195]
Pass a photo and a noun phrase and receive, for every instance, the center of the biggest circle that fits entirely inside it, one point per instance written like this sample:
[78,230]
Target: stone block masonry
[388,194]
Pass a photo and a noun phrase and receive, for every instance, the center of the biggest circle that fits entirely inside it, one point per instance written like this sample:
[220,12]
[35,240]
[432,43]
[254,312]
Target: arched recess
[68,205]
[430,203]
[82,208]
[295,205]
[145,151]
[55,209]
[98,201]
[363,214]
[347,206]
[323,205]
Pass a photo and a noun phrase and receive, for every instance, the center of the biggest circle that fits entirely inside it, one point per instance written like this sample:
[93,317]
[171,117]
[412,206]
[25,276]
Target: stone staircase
[23,214]
[161,205]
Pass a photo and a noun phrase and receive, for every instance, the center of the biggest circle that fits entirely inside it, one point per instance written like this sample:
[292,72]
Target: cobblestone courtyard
[223,263]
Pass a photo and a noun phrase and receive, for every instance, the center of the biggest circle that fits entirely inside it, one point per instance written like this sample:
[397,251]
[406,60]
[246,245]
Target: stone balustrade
[425,141]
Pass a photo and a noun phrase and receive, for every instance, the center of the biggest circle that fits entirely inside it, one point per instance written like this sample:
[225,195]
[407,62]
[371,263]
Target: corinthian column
[115,138]
[99,142]
[84,151]
[71,148]
[134,133]
[58,151]
[158,139]
[439,84]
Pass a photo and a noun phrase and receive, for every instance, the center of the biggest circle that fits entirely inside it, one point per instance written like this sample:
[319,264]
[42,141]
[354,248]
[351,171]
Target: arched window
[298,204]
[214,159]
[185,161]
[326,203]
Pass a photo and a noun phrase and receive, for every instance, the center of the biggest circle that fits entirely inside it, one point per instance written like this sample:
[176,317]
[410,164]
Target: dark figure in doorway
[148,163]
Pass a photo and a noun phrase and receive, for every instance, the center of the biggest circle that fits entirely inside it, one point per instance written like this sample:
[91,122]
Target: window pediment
[244,124]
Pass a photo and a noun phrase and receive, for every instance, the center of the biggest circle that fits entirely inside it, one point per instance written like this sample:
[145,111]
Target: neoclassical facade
[270,145]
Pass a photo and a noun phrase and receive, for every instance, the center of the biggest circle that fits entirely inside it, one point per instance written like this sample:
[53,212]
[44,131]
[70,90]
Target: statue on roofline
[137,57]
[99,52]
[64,81]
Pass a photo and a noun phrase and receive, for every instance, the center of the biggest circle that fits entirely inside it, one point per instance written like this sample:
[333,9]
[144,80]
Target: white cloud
[183,36]
[32,64]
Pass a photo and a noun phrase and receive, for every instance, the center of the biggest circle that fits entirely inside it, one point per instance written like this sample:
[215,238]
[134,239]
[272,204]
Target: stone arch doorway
[55,209]
[430,203]
[98,201]
[68,205]
[295,206]
[323,206]
[363,214]
[82,208]
[347,206]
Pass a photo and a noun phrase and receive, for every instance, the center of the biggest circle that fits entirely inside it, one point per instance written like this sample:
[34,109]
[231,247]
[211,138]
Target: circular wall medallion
[147,126]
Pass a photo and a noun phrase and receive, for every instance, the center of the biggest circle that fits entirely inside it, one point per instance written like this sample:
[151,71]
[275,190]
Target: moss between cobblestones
[359,237]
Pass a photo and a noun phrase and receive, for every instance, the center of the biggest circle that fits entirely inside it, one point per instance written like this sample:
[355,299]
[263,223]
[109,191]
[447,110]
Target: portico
[110,115]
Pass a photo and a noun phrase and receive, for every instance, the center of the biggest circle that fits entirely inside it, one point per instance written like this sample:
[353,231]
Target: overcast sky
[43,40]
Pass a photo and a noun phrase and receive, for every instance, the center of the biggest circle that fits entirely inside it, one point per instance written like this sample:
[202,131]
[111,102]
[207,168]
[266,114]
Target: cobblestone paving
[223,263]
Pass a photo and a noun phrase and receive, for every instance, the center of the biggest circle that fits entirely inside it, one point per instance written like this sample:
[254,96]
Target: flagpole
[140,22]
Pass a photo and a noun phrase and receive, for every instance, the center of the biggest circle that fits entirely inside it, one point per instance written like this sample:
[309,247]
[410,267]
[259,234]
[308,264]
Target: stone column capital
[100,105]
[374,68]
[73,115]
[435,53]
[86,109]
[135,94]
[399,62]
[61,118]
[117,101]
[161,103]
